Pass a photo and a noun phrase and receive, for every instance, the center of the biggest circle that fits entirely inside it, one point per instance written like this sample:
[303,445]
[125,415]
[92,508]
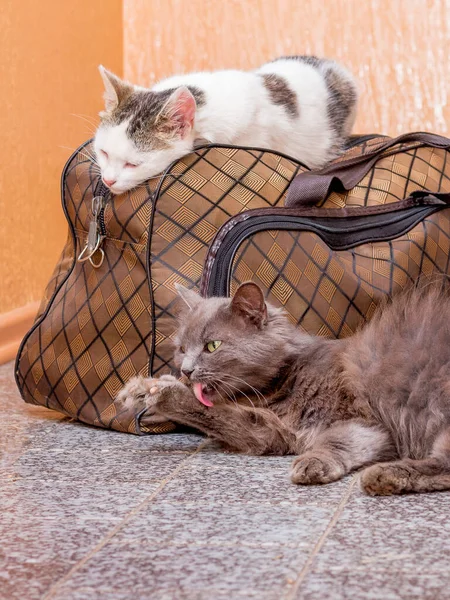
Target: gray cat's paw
[384,480]
[145,392]
[310,469]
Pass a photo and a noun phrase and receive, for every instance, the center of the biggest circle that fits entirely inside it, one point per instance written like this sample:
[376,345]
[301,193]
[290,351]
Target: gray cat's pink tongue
[198,391]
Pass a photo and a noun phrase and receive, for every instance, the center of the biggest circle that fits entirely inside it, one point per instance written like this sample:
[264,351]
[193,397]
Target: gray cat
[257,384]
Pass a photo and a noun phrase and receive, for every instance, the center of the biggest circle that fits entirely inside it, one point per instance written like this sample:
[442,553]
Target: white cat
[301,106]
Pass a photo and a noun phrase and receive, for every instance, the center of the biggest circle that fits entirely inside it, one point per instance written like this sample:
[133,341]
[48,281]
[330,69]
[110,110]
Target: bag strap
[313,187]
[425,197]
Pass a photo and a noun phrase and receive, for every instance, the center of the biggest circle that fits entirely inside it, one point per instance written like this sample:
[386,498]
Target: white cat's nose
[109,182]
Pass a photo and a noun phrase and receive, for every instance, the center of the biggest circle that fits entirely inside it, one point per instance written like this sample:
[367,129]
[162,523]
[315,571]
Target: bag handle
[313,187]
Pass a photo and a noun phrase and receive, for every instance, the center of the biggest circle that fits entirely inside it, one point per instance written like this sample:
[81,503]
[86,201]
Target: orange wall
[49,52]
[398,49]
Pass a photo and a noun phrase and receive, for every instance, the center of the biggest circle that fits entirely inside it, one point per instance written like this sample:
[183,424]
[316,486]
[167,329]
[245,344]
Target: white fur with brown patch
[237,108]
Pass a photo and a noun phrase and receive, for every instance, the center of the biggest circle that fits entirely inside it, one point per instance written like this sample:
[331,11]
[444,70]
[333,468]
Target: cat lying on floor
[301,106]
[380,399]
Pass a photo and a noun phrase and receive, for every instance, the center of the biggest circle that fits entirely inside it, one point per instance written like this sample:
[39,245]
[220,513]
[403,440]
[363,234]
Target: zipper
[339,233]
[356,140]
[103,191]
[97,228]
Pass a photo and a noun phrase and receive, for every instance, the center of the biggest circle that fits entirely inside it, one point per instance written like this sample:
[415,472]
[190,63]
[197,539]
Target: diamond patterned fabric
[99,327]
[330,293]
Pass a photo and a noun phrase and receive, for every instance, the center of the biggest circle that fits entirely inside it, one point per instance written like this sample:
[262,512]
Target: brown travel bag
[326,245]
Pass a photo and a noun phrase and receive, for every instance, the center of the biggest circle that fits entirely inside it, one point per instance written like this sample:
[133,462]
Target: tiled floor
[89,514]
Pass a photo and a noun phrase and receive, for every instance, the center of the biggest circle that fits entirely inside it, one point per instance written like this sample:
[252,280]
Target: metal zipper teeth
[219,283]
[361,139]
[101,221]
[102,190]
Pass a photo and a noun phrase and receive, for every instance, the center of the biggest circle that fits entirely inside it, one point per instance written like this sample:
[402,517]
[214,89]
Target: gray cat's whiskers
[230,397]
[220,382]
[230,394]
[257,392]
[240,392]
[217,390]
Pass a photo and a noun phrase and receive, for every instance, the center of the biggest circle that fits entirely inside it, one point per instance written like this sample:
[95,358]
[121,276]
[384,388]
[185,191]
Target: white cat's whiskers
[69,148]
[85,153]
[88,120]
[306,107]
[89,154]
[143,184]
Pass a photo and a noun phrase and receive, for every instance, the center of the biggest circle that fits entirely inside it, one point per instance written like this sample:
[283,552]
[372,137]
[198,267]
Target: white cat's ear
[178,113]
[248,302]
[189,297]
[115,89]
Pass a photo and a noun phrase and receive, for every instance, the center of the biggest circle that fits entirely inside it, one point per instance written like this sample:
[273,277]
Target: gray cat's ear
[189,297]
[178,114]
[248,302]
[116,90]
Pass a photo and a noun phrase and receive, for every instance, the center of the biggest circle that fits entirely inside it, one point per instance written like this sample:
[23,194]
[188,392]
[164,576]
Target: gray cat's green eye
[212,346]
[182,349]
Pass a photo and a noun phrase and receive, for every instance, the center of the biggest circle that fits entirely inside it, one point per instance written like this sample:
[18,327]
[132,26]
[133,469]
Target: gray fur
[343,95]
[342,100]
[382,396]
[312,60]
[145,111]
[280,93]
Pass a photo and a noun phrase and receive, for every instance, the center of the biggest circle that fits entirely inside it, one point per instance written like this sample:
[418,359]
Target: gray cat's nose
[187,372]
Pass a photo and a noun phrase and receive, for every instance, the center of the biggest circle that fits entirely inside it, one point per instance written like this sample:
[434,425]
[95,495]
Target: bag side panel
[62,269]
[63,266]
[331,293]
[96,332]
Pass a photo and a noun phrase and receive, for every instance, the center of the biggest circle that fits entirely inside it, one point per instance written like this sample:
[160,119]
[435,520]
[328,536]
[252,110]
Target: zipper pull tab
[93,232]
[94,237]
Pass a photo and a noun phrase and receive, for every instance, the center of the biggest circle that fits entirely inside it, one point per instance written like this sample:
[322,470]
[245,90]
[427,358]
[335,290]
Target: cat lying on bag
[379,399]
[301,106]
